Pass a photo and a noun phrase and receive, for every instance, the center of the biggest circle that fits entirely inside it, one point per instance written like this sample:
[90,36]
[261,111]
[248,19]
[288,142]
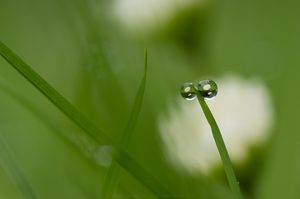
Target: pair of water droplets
[206,88]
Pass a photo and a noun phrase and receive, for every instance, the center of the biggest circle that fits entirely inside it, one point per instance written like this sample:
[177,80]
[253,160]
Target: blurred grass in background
[96,61]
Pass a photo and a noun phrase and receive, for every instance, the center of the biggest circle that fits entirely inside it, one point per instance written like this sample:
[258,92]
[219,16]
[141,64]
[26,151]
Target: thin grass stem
[229,171]
[112,177]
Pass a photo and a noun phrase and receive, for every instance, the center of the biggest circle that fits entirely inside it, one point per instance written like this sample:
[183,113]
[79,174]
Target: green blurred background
[92,57]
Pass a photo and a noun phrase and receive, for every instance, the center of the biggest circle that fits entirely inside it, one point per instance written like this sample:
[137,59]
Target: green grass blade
[71,112]
[57,99]
[233,183]
[9,163]
[112,178]
[127,134]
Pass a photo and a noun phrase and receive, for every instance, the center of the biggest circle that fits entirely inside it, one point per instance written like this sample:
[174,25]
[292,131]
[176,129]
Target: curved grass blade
[56,98]
[233,183]
[90,128]
[112,178]
[10,165]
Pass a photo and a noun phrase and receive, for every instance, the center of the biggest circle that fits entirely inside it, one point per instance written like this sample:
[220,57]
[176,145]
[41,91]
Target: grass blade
[57,99]
[9,163]
[90,128]
[112,178]
[233,183]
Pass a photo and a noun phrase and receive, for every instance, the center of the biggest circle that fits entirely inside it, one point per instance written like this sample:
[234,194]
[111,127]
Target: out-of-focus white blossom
[149,14]
[243,111]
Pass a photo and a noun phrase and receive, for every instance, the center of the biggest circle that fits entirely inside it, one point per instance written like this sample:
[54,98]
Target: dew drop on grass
[207,88]
[188,91]
[104,155]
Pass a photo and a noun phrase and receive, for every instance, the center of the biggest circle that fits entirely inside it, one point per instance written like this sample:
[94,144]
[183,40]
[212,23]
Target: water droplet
[207,88]
[188,91]
[104,155]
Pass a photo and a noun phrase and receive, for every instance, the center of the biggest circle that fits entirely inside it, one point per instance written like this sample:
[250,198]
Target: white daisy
[149,14]
[243,112]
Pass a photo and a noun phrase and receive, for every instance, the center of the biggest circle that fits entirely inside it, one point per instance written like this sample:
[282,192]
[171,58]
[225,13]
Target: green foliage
[67,108]
[82,52]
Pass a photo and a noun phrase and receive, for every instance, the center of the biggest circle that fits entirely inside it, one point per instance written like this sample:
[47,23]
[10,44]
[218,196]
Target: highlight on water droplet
[207,88]
[188,91]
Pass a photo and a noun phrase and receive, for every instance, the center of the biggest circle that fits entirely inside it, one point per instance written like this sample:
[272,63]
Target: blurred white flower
[140,14]
[243,112]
